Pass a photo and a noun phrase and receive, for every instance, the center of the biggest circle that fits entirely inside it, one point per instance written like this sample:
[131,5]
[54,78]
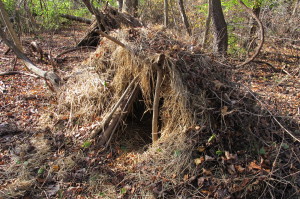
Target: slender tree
[220,28]
[184,17]
[207,24]
[166,13]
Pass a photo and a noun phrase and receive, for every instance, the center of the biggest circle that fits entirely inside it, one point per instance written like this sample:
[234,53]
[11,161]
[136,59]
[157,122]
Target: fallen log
[52,79]
[75,18]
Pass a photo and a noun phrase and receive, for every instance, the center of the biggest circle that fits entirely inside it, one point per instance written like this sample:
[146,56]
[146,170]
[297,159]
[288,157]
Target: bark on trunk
[256,11]
[120,5]
[207,24]
[166,13]
[220,28]
[75,18]
[5,21]
[184,17]
[130,6]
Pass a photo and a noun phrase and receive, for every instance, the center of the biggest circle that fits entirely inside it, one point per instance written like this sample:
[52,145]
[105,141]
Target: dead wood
[74,49]
[122,115]
[16,73]
[158,67]
[36,48]
[49,76]
[97,131]
[75,18]
[109,19]
[262,37]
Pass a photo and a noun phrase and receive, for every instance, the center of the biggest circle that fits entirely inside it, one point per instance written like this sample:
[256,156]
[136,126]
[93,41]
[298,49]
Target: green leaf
[218,152]
[86,144]
[123,191]
[262,151]
[212,137]
[177,153]
[18,162]
[285,146]
[101,194]
[41,170]
[159,150]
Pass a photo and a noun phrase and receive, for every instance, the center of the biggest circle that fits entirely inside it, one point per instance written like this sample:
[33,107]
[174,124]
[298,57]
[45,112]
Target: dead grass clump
[212,132]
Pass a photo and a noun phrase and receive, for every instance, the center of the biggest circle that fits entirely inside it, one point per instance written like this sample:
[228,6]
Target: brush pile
[215,140]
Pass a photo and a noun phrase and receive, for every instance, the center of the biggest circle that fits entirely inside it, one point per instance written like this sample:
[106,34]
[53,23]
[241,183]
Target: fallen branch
[97,131]
[50,77]
[129,102]
[17,73]
[75,18]
[262,37]
[111,38]
[74,49]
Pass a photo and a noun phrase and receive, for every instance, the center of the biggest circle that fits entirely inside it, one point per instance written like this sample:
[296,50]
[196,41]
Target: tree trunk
[166,13]
[130,6]
[120,5]
[184,17]
[52,77]
[256,11]
[207,24]
[75,18]
[220,28]
[5,20]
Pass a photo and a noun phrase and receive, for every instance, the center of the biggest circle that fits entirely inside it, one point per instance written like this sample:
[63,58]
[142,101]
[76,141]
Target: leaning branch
[52,77]
[262,37]
[75,18]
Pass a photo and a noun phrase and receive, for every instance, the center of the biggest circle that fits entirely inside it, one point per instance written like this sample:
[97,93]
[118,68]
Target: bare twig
[111,38]
[17,73]
[74,49]
[275,119]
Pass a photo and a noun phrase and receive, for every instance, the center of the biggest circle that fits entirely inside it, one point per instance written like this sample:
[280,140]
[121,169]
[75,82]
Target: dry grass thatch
[200,107]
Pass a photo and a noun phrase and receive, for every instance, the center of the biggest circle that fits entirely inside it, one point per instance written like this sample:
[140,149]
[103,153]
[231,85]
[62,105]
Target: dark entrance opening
[135,134]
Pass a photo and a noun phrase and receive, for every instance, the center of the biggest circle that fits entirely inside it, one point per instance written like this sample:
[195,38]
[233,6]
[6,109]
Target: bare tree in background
[220,28]
[184,17]
[130,6]
[166,13]
[207,24]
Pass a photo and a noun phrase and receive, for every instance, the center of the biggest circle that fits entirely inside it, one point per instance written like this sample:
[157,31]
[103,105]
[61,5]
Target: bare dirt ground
[275,77]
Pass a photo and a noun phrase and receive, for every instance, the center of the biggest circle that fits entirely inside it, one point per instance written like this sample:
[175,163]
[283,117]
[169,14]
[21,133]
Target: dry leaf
[253,165]
[239,168]
[199,160]
[185,177]
[230,156]
[231,169]
[206,172]
[208,158]
[201,148]
[55,168]
[218,84]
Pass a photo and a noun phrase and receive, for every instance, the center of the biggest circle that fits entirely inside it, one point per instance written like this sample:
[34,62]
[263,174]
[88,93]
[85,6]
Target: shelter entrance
[135,134]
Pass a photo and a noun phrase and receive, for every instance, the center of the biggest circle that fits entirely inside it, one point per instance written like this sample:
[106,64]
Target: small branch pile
[210,128]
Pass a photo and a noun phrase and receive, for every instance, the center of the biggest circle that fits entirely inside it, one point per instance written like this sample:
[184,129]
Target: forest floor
[275,77]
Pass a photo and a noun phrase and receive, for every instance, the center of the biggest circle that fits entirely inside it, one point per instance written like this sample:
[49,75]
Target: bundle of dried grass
[199,107]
